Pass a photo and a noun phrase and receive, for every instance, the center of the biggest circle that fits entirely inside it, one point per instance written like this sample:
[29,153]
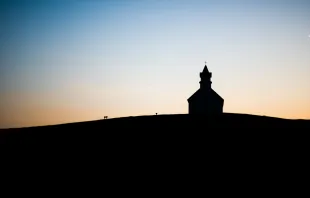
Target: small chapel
[205,100]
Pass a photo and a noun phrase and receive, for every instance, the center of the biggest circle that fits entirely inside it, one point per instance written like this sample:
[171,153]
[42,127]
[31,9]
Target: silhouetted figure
[205,100]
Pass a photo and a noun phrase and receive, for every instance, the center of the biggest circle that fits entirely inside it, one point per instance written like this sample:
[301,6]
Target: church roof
[205,93]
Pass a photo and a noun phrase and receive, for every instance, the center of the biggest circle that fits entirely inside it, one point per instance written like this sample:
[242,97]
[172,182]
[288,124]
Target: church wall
[205,106]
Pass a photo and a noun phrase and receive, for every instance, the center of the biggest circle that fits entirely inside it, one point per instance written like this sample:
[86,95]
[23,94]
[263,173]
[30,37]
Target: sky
[67,61]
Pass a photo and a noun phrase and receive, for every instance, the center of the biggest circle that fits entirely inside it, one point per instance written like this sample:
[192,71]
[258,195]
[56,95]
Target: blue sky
[74,60]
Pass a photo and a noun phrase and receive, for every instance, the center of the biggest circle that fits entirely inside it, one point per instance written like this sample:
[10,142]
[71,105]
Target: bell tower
[205,76]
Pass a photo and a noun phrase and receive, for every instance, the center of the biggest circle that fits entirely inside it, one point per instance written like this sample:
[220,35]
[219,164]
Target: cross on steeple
[205,62]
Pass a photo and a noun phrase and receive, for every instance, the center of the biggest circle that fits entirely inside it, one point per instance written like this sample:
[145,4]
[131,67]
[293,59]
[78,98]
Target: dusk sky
[78,60]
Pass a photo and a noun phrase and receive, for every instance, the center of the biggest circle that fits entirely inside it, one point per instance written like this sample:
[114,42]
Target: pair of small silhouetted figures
[105,117]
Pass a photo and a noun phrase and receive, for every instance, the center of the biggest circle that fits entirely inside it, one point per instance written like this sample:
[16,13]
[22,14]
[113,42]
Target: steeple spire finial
[205,69]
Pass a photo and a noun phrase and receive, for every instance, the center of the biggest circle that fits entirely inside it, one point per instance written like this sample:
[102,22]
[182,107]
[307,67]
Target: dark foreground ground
[230,154]
[183,127]
[229,147]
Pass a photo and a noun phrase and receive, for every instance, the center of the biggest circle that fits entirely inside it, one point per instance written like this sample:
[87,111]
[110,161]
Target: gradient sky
[77,60]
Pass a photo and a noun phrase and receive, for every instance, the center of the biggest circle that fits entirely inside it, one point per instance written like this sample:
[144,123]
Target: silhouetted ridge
[99,130]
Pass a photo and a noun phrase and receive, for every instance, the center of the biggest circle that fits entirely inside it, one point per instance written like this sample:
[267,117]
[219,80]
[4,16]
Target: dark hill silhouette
[150,128]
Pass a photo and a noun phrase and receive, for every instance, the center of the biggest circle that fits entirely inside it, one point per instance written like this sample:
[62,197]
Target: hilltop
[150,127]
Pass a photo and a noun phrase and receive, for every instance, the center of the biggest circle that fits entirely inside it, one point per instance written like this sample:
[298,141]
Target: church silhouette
[205,100]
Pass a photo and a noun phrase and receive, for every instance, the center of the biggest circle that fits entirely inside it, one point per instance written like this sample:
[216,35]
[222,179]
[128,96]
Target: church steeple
[205,76]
